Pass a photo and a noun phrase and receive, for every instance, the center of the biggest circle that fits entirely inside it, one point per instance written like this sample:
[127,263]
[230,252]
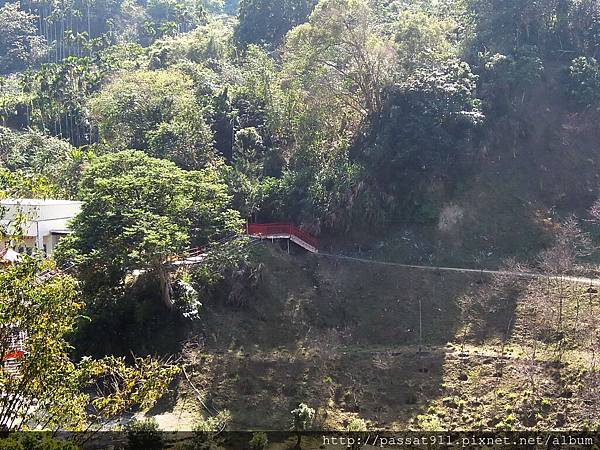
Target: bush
[584,81]
[144,435]
[259,441]
[507,79]
[205,434]
[34,441]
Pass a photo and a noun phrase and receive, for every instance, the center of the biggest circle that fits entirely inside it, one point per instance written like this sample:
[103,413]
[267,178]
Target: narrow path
[310,243]
[534,275]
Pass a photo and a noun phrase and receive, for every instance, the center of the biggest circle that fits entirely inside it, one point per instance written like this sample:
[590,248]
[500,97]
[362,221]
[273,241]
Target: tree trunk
[166,290]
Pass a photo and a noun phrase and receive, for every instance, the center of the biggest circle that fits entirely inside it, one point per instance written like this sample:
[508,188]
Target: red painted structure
[15,354]
[277,230]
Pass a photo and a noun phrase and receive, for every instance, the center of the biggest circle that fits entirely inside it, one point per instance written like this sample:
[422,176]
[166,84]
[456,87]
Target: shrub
[259,441]
[206,432]
[144,435]
[303,417]
[584,81]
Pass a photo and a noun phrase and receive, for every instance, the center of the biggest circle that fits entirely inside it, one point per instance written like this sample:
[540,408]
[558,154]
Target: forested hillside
[433,132]
[337,115]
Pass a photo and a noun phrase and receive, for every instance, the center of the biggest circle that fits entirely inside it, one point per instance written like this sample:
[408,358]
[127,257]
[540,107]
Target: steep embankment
[528,169]
[343,337]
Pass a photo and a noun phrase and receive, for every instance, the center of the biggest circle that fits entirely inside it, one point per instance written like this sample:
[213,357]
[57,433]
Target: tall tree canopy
[139,211]
[34,154]
[157,112]
[266,22]
[19,43]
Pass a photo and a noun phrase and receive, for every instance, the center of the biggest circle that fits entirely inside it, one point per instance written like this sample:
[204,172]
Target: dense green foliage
[19,43]
[138,212]
[157,112]
[329,114]
[317,111]
[34,154]
[267,21]
[53,392]
[176,120]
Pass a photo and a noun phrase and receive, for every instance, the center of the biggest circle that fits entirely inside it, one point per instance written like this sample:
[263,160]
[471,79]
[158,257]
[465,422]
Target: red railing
[273,229]
[14,354]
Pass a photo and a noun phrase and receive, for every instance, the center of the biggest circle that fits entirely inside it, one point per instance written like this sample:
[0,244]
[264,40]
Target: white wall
[42,217]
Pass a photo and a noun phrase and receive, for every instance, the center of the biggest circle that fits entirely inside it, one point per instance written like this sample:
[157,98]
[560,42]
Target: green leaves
[42,160]
[19,44]
[584,81]
[139,211]
[154,111]
[50,391]
[45,311]
[266,22]
[422,41]
[428,120]
[124,386]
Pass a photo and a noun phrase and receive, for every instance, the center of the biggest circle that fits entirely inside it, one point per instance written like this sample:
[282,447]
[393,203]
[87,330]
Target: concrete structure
[41,223]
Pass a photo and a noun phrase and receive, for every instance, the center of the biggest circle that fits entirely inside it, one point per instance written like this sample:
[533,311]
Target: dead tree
[560,259]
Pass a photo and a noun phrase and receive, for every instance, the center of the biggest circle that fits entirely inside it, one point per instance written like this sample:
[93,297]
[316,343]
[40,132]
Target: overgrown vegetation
[438,132]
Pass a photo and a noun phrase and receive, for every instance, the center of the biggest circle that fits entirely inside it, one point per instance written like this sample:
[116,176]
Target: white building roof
[38,202]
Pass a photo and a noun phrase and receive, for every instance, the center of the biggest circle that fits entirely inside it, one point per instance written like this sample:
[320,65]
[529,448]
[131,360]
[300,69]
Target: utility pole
[421,368]
[420,327]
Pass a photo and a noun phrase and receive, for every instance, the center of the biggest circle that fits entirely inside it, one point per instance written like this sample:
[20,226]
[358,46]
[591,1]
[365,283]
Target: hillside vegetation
[345,337]
[429,132]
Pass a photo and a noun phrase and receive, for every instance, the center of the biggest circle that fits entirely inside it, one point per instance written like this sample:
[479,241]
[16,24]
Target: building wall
[42,218]
[50,242]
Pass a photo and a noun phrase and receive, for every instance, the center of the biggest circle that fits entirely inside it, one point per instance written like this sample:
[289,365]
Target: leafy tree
[132,24]
[126,56]
[19,44]
[325,193]
[139,212]
[209,44]
[302,418]
[429,119]
[266,22]
[154,111]
[248,169]
[51,100]
[169,17]
[336,69]
[21,184]
[340,51]
[35,155]
[584,81]
[556,27]
[505,26]
[258,101]
[46,312]
[422,40]
[506,79]
[51,392]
